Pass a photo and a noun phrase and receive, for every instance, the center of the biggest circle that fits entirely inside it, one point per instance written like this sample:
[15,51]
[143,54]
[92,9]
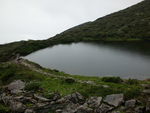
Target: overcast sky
[41,19]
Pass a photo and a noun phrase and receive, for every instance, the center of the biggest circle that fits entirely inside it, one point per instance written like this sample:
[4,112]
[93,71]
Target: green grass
[49,84]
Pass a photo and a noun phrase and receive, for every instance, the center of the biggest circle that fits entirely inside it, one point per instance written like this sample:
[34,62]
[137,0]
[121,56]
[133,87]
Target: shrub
[112,79]
[33,86]
[132,81]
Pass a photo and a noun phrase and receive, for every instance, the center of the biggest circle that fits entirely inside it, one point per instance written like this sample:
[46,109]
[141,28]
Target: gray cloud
[40,19]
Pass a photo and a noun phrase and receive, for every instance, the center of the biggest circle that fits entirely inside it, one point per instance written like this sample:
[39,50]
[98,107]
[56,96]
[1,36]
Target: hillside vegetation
[131,24]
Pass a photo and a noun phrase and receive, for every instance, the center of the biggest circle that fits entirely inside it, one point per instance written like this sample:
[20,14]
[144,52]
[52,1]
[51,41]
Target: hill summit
[133,22]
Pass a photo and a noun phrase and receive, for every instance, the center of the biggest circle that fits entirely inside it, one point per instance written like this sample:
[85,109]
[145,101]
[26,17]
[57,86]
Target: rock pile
[21,101]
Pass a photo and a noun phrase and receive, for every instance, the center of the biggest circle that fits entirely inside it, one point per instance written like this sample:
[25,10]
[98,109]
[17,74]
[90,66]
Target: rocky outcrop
[16,87]
[29,102]
[114,99]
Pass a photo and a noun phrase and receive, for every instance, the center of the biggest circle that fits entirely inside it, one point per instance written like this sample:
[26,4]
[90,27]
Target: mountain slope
[133,22]
[130,24]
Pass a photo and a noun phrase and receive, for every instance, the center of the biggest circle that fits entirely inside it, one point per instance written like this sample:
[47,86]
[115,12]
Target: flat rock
[146,91]
[114,99]
[17,107]
[40,98]
[16,86]
[146,86]
[29,111]
[75,98]
[104,108]
[94,102]
[130,103]
[84,109]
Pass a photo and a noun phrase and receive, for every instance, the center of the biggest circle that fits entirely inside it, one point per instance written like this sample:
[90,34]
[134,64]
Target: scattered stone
[105,86]
[29,111]
[130,103]
[146,91]
[94,102]
[70,108]
[58,111]
[41,104]
[41,98]
[75,98]
[140,109]
[104,108]
[116,112]
[146,86]
[148,106]
[90,82]
[17,107]
[84,109]
[114,99]
[16,87]
[56,96]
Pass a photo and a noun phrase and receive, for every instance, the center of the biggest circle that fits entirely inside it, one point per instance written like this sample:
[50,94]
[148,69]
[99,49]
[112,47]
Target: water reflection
[124,59]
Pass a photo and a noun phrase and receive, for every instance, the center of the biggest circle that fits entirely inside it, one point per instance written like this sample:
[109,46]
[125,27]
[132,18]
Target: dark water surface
[124,59]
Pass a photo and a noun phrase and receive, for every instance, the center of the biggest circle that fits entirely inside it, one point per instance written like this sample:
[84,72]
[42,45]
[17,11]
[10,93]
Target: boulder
[75,98]
[94,102]
[17,107]
[105,86]
[146,91]
[29,111]
[84,109]
[140,109]
[40,98]
[114,99]
[146,86]
[104,108]
[70,108]
[16,86]
[58,111]
[130,103]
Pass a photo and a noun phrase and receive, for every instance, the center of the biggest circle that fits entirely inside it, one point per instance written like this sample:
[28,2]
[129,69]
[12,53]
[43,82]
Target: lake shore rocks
[29,102]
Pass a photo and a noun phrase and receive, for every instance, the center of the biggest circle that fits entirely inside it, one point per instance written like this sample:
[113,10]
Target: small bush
[132,81]
[132,93]
[33,86]
[112,79]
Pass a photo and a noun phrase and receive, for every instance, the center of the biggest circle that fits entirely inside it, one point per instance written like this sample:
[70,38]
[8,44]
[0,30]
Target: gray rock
[130,103]
[90,82]
[114,99]
[70,108]
[40,98]
[29,111]
[16,86]
[84,109]
[6,99]
[75,98]
[148,106]
[105,86]
[146,86]
[116,112]
[140,109]
[17,107]
[58,111]
[104,108]
[146,91]
[94,102]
